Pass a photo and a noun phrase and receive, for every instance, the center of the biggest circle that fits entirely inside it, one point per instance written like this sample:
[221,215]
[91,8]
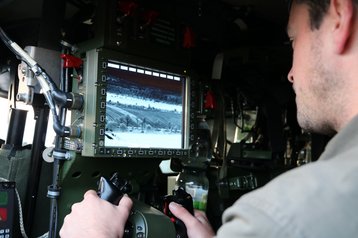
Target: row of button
[5,233]
[110,151]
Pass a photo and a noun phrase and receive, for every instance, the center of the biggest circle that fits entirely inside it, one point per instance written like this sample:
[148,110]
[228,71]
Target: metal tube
[16,128]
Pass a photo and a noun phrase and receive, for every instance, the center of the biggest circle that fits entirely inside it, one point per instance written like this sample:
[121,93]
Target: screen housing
[97,76]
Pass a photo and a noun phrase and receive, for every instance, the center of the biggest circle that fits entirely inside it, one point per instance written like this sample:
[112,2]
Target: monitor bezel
[94,73]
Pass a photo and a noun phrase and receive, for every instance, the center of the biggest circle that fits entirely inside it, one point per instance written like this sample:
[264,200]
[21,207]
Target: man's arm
[95,217]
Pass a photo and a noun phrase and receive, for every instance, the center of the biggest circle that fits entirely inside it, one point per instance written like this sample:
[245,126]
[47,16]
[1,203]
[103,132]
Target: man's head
[322,33]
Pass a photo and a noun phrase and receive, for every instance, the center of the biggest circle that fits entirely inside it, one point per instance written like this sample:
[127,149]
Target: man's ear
[343,13]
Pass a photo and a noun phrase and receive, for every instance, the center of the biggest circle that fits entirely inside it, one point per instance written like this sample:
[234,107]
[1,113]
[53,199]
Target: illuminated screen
[3,198]
[144,107]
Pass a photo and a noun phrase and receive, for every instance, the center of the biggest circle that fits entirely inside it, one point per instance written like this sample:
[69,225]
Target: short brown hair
[317,9]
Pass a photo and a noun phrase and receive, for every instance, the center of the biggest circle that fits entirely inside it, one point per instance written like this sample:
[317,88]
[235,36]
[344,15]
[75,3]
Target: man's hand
[95,217]
[197,226]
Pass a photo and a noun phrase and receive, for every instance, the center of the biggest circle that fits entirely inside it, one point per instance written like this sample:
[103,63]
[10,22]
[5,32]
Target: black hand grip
[181,197]
[109,192]
[112,190]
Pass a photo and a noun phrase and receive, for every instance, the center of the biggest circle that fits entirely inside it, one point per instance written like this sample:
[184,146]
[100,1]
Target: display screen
[144,107]
[3,214]
[3,202]
[134,107]
[3,198]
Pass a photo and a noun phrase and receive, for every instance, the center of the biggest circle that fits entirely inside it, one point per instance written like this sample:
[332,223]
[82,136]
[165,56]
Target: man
[315,200]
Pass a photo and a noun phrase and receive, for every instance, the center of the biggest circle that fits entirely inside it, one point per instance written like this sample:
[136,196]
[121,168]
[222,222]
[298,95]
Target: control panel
[7,209]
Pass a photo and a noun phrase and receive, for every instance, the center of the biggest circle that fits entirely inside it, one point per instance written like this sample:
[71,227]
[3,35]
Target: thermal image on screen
[144,108]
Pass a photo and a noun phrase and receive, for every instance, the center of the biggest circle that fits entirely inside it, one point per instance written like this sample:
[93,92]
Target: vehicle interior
[147,98]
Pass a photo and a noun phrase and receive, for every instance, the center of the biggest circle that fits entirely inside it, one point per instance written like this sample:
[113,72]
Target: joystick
[144,221]
[112,190]
[181,197]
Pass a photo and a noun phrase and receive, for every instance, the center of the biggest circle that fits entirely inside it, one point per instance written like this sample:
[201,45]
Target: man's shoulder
[319,193]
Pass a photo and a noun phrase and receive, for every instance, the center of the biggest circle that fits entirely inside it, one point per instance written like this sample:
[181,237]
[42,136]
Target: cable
[52,94]
[49,88]
[21,218]
[64,100]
